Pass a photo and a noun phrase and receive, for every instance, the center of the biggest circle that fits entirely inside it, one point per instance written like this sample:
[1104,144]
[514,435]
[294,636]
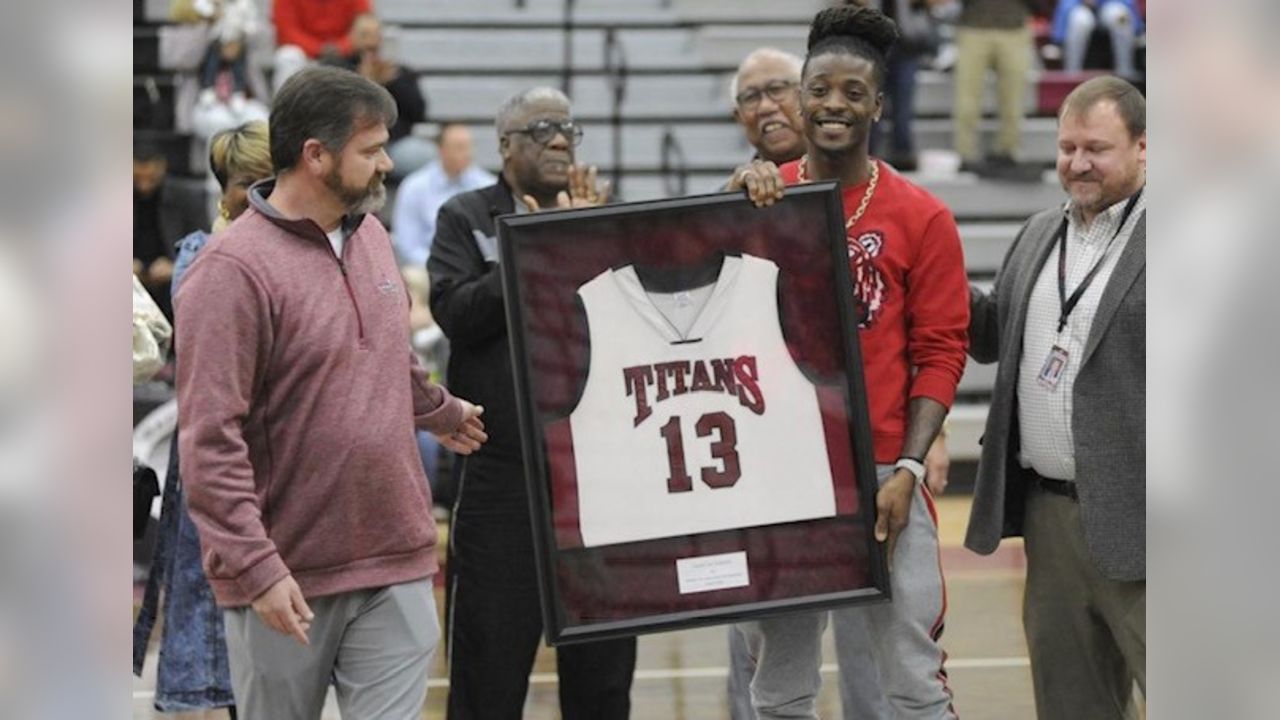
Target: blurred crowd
[1012,41]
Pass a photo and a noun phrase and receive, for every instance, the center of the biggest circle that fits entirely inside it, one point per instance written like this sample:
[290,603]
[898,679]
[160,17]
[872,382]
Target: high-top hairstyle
[853,30]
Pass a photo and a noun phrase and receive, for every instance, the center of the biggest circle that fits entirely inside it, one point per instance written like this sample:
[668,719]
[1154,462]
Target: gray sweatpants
[861,694]
[374,645]
[903,637]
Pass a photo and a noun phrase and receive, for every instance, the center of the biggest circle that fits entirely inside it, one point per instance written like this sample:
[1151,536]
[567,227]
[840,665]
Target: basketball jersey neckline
[628,282]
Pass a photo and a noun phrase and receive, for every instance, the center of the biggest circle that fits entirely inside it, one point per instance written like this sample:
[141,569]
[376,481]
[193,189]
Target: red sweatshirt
[312,24]
[297,398]
[908,272]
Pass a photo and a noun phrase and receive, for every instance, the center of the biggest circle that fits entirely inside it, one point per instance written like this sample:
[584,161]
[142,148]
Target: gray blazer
[1109,404]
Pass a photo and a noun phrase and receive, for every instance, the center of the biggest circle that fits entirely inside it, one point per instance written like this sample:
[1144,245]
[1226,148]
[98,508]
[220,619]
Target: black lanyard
[1067,304]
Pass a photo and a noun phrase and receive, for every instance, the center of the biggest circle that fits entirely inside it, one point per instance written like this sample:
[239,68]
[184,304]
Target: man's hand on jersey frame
[893,508]
[762,180]
[583,191]
[470,434]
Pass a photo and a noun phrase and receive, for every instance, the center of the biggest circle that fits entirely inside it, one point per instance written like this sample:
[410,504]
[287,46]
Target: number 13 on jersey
[723,448]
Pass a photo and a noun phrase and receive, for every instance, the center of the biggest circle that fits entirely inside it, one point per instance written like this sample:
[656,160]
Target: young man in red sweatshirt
[298,397]
[909,280]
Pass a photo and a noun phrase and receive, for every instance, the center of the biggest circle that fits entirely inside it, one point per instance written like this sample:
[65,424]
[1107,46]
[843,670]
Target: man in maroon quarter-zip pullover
[298,400]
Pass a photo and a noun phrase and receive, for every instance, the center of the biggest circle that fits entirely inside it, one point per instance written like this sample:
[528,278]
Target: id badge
[1054,365]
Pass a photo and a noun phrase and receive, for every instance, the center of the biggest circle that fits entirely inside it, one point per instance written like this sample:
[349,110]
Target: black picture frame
[615,589]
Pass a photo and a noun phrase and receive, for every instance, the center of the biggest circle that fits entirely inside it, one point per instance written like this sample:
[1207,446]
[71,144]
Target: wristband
[911,465]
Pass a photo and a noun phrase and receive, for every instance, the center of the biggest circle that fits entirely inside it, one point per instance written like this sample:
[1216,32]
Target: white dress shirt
[1044,415]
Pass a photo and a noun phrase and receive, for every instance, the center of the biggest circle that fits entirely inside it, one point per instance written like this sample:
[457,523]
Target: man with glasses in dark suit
[494,616]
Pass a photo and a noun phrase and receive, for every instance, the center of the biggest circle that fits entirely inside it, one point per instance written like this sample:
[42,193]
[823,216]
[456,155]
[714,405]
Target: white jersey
[689,432]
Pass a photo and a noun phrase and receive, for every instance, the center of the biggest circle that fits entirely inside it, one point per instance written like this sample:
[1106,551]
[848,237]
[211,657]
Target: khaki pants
[1008,52]
[1087,634]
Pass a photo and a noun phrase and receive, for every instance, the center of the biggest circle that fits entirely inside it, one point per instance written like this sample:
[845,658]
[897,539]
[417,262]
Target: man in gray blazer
[1064,453]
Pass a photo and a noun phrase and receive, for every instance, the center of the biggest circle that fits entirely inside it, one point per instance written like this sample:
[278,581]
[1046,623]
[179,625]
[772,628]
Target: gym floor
[681,675]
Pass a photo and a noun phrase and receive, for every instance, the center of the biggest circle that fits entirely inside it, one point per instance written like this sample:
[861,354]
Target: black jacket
[467,302]
[181,207]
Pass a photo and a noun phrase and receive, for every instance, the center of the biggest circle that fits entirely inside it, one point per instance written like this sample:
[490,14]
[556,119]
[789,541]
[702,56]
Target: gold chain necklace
[802,175]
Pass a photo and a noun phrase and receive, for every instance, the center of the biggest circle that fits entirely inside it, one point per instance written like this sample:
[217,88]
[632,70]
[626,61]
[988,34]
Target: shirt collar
[1105,219]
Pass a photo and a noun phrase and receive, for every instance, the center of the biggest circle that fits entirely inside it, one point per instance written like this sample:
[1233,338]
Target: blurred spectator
[431,348]
[918,38]
[225,98]
[408,151]
[307,30]
[1074,22]
[238,158]
[421,194]
[163,211]
[992,34]
[193,672]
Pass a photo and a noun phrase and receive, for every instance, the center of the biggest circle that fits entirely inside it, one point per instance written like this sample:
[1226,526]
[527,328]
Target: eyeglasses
[544,131]
[778,90]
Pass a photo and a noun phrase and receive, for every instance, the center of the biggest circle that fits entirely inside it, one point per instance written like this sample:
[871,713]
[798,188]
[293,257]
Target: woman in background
[193,673]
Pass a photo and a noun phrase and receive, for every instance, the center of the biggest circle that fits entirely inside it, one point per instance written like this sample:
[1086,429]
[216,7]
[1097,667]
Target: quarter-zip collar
[309,229]
[302,227]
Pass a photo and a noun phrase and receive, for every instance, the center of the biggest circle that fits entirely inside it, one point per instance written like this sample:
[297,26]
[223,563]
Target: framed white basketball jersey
[698,423]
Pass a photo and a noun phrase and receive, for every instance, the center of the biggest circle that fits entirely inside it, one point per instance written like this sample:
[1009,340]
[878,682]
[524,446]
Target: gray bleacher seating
[792,11]
[541,49]
[533,12]
[728,44]
[699,96]
[985,245]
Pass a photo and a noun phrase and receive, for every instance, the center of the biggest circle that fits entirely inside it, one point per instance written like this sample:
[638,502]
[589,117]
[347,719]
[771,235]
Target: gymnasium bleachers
[672,61]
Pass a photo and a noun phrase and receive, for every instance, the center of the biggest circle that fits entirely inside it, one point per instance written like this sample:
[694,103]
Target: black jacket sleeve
[466,291]
[984,325]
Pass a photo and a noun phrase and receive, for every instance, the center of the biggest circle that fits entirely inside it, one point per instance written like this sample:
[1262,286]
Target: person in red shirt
[910,284]
[308,30]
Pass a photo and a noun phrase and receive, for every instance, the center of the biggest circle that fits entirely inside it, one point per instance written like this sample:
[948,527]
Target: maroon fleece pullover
[298,397]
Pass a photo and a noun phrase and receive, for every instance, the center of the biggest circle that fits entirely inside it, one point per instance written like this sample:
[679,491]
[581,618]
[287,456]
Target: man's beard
[1098,197]
[358,201]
